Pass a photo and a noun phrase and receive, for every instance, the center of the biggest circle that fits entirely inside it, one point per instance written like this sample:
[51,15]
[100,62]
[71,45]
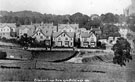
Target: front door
[66,44]
[59,43]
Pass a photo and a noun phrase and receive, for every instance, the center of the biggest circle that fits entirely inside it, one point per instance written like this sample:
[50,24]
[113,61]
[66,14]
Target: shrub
[3,55]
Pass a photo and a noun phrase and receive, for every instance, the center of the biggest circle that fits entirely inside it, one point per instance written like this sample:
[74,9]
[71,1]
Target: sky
[66,6]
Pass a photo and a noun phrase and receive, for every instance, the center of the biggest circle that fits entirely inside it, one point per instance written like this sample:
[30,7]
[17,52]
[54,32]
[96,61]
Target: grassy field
[52,55]
[98,71]
[16,53]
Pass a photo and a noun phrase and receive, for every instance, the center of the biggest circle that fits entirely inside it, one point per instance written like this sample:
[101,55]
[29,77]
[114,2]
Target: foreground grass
[93,71]
[98,72]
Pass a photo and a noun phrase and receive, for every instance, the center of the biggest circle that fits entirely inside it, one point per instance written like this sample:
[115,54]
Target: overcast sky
[66,6]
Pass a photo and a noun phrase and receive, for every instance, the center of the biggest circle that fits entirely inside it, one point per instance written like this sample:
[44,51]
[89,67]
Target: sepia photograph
[67,40]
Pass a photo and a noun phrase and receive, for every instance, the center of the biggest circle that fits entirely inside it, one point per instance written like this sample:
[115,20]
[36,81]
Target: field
[42,70]
[30,70]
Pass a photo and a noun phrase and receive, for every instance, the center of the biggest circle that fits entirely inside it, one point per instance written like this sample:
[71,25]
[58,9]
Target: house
[81,30]
[68,27]
[63,39]
[7,30]
[115,40]
[88,39]
[50,27]
[123,32]
[110,39]
[96,30]
[26,29]
[41,34]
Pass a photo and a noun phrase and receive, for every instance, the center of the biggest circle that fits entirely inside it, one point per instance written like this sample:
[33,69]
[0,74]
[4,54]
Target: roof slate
[86,34]
[70,34]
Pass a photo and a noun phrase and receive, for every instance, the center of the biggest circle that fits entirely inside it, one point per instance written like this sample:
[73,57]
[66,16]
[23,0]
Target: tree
[79,18]
[121,52]
[110,30]
[109,18]
[26,41]
[99,44]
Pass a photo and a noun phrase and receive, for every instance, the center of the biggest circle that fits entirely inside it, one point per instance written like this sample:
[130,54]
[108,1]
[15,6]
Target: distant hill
[4,13]
[21,14]
[28,17]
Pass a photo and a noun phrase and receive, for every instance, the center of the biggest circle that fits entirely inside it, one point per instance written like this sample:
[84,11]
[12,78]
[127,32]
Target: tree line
[28,17]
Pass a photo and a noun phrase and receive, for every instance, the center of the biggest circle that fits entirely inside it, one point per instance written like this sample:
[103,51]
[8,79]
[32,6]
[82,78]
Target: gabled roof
[96,29]
[82,29]
[43,31]
[86,34]
[70,34]
[30,32]
[74,26]
[11,25]
[22,27]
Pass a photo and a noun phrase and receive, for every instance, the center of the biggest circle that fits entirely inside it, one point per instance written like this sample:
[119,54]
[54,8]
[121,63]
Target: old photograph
[67,40]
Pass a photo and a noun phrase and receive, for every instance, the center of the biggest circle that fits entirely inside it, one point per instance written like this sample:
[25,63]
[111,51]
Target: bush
[3,55]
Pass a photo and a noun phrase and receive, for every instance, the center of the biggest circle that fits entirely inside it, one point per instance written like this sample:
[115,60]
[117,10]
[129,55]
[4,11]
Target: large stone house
[68,27]
[26,29]
[42,34]
[96,30]
[50,27]
[88,39]
[8,30]
[63,39]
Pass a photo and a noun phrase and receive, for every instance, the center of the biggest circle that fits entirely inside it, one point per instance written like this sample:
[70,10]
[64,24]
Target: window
[41,37]
[66,38]
[86,44]
[59,38]
[71,43]
[92,40]
[39,33]
[3,33]
[66,42]
[85,39]
[71,38]
[47,42]
[64,35]
[47,37]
